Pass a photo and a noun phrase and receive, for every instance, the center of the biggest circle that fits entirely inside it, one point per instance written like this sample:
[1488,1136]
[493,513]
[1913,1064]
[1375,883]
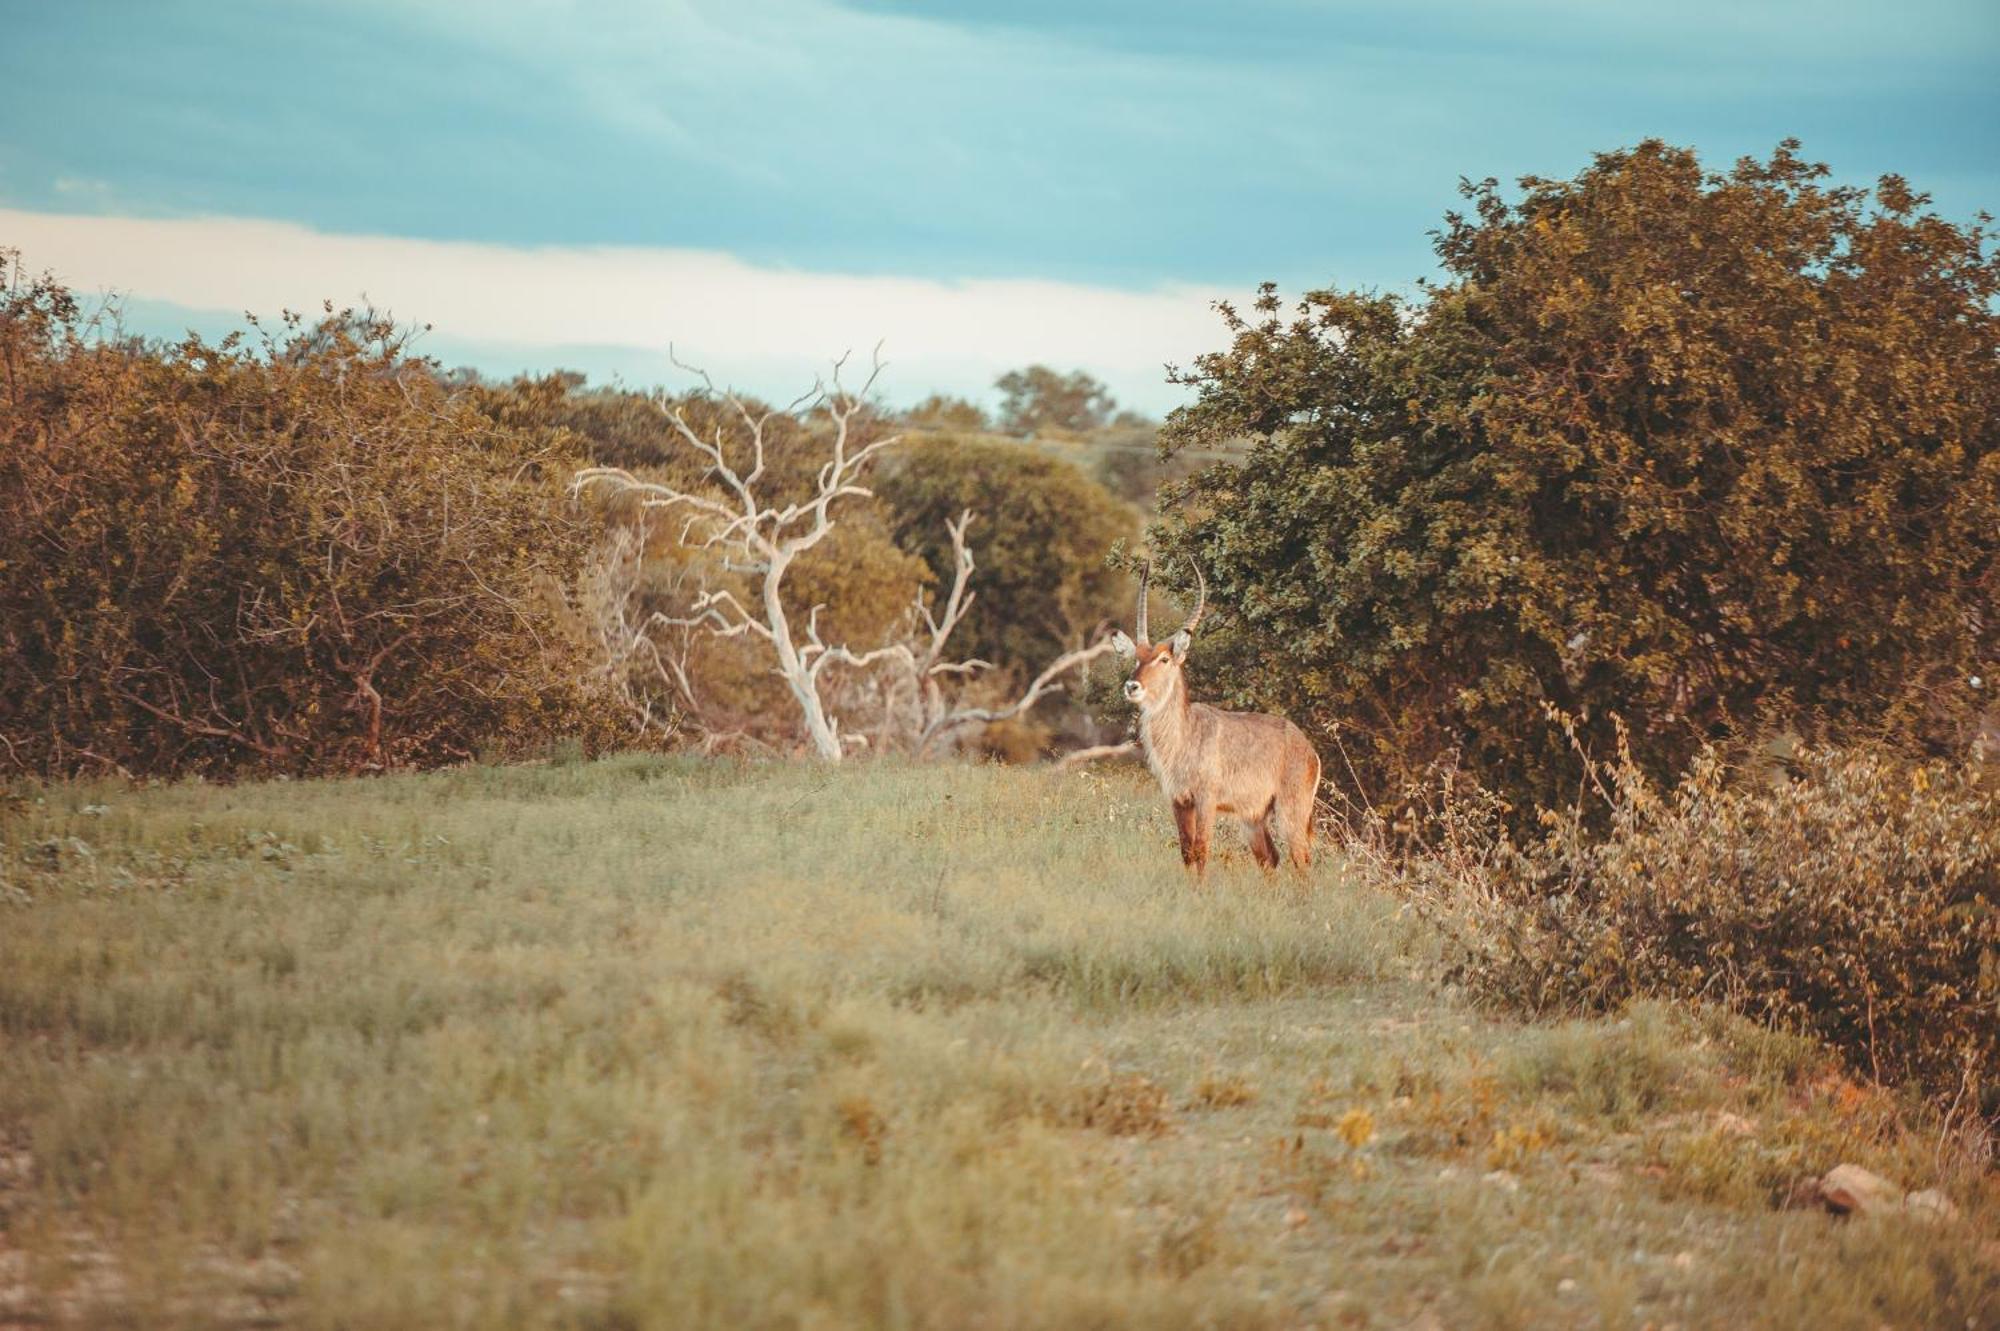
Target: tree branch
[1079,757]
[1042,685]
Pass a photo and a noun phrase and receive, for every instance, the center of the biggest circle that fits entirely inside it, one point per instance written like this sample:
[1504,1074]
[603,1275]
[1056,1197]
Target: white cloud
[766,329]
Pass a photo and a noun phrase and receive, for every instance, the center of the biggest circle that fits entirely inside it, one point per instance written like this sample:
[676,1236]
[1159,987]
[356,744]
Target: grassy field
[660,1043]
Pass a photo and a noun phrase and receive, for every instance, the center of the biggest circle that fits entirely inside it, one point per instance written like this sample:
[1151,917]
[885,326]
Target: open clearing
[661,1043]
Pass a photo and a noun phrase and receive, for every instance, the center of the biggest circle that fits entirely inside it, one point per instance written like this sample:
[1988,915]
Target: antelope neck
[1162,728]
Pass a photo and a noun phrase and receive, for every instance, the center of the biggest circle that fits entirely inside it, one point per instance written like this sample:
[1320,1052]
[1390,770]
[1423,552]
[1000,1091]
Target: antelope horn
[1145,576]
[1200,601]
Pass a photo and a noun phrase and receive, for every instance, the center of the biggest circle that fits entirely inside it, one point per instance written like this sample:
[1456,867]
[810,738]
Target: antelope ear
[1122,644]
[1181,641]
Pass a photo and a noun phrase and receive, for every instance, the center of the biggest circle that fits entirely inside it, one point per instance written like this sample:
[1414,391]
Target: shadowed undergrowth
[652,1042]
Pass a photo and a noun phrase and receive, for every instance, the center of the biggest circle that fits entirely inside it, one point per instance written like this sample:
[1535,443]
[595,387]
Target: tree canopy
[1036,400]
[1713,451]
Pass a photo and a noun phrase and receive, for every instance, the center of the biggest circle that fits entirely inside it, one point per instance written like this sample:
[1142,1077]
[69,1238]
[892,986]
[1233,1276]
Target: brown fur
[1260,768]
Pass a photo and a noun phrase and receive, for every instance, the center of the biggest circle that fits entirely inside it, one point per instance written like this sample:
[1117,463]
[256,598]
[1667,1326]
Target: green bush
[1857,900]
[1718,451]
[303,554]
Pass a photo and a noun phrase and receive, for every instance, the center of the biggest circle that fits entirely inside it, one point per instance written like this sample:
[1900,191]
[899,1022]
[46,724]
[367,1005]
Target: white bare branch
[956,603]
[1096,752]
[1048,682]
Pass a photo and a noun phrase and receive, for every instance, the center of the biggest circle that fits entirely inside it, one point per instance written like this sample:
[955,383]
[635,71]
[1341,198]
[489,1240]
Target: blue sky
[982,184]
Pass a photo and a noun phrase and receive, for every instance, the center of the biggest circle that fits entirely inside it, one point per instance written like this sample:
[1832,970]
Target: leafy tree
[1042,532]
[1037,400]
[1713,451]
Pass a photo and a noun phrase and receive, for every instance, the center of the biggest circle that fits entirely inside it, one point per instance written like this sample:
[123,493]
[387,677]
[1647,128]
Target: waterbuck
[1260,768]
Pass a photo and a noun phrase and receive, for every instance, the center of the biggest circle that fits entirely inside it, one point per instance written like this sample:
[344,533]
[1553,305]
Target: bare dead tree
[758,536]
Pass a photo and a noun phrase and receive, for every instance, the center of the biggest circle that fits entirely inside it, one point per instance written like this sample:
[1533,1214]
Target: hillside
[667,1043]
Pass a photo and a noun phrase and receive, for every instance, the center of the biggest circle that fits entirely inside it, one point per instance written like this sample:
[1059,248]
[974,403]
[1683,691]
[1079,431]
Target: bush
[1857,901]
[1042,533]
[303,555]
[1717,450]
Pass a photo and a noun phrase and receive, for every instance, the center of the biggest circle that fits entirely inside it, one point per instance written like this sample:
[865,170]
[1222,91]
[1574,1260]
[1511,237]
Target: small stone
[1683,1261]
[1565,1286]
[1734,1124]
[1295,1217]
[1930,1206]
[1503,1180]
[1848,1189]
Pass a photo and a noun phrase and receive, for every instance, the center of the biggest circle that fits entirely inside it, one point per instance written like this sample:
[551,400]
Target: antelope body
[1260,768]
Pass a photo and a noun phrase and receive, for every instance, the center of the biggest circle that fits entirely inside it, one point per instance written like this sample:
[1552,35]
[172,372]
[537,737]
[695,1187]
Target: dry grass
[656,1043]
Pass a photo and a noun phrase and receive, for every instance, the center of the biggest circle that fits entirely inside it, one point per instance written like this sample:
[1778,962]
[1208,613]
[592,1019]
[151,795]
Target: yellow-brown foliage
[1857,900]
[298,554]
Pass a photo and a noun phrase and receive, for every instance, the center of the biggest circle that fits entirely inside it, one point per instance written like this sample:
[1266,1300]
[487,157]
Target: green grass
[661,1043]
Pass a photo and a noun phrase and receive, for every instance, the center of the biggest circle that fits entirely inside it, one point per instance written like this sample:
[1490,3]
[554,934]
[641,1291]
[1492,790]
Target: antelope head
[1156,672]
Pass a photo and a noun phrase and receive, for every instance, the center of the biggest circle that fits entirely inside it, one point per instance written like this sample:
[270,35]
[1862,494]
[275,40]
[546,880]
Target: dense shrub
[942,412]
[1717,451]
[297,554]
[613,427]
[1858,901]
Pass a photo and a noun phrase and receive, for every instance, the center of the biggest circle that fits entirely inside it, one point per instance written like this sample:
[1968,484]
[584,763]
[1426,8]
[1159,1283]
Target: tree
[1045,529]
[742,516]
[1714,452]
[1037,400]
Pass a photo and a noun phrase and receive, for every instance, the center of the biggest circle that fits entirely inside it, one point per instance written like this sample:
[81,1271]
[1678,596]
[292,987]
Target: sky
[765,184]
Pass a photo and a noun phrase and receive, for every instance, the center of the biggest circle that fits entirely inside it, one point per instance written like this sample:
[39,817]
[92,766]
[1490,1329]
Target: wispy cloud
[980,182]
[765,328]
[1118,143]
